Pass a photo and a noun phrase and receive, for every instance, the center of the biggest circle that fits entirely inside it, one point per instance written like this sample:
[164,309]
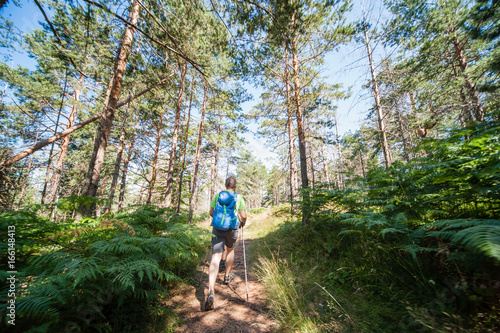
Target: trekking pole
[244,261]
[239,251]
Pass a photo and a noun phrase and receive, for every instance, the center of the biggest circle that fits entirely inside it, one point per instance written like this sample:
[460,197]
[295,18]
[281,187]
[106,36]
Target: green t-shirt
[240,202]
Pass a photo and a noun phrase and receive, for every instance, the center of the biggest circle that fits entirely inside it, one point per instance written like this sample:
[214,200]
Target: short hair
[231,182]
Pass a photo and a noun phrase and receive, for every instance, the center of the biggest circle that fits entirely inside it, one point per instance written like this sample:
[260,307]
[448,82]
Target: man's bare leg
[213,271]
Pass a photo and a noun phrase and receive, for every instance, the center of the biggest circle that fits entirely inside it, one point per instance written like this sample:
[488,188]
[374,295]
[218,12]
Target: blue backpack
[225,215]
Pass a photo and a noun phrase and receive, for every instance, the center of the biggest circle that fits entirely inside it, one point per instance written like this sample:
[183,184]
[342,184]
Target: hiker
[225,209]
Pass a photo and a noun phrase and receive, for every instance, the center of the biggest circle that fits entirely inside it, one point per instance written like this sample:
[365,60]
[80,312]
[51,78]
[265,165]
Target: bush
[100,275]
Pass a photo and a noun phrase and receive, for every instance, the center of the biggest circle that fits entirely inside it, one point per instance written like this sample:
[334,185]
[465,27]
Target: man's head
[231,183]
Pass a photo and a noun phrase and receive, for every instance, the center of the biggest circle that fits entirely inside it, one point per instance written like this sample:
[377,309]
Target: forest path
[232,312]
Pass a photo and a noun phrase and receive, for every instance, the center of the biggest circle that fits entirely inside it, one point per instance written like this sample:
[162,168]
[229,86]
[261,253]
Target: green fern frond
[388,231]
[483,238]
[414,249]
[36,307]
[349,232]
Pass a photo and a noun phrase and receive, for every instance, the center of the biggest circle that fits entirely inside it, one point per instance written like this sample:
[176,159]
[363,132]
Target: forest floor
[232,311]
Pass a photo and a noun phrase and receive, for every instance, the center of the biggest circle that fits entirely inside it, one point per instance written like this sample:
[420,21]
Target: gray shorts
[221,238]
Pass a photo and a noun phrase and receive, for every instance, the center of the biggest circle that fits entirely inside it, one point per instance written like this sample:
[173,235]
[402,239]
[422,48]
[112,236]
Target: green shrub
[100,275]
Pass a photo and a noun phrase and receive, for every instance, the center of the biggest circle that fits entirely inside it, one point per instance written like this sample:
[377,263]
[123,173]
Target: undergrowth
[412,248]
[99,275]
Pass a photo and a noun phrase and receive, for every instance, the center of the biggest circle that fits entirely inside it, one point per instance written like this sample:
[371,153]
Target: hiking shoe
[222,266]
[209,304]
[229,278]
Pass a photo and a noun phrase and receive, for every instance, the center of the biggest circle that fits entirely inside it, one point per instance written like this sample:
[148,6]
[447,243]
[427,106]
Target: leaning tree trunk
[37,146]
[101,141]
[54,182]
[197,156]
[167,201]
[380,114]
[184,148]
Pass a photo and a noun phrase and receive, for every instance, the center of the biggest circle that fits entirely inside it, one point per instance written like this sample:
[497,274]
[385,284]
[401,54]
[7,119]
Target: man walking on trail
[225,209]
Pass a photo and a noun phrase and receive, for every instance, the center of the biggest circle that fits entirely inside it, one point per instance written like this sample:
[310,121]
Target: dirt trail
[232,312]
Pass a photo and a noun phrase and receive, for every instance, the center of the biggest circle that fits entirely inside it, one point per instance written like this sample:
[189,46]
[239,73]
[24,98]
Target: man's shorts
[221,238]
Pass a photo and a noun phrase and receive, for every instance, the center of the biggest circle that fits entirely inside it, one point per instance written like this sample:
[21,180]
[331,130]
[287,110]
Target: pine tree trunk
[154,164]
[198,154]
[167,201]
[228,162]
[123,184]
[406,149]
[313,171]
[49,163]
[339,151]
[54,182]
[291,140]
[118,163]
[215,166]
[325,167]
[362,164]
[101,141]
[301,133]
[380,113]
[184,148]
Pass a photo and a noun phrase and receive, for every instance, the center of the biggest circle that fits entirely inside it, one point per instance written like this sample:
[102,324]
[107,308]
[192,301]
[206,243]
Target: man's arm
[211,211]
[243,217]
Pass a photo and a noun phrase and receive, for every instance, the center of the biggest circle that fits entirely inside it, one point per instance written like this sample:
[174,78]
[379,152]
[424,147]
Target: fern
[112,263]
[482,238]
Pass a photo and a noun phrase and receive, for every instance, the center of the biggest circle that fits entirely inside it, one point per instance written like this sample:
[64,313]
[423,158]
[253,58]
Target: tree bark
[184,147]
[167,201]
[101,141]
[198,153]
[380,113]
[54,182]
